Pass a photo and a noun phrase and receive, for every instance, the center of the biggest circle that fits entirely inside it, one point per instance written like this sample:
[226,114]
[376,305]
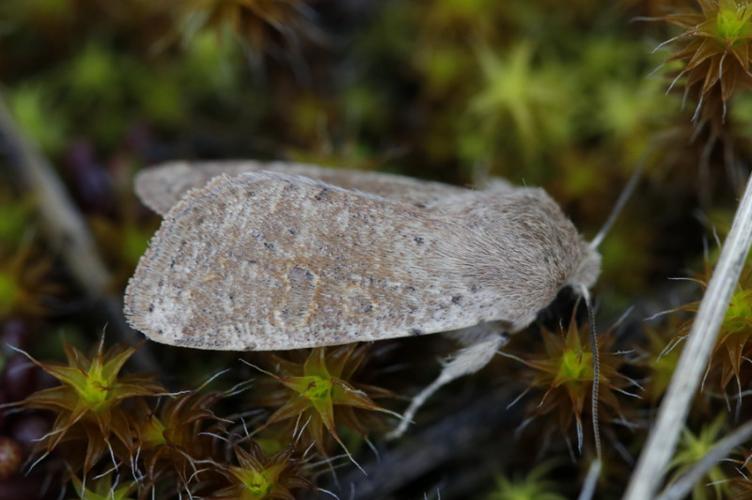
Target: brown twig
[456,436]
[65,228]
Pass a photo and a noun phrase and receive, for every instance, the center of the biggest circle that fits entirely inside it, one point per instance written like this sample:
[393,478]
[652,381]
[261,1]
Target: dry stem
[65,227]
[694,359]
[683,487]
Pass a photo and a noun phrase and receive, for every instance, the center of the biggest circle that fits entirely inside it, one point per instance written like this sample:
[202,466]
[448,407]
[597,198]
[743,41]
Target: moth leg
[481,344]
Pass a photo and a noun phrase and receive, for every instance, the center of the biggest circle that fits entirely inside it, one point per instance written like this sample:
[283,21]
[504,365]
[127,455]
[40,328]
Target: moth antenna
[624,197]
[596,371]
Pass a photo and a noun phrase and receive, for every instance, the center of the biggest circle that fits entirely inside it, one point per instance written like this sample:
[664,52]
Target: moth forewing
[162,186]
[266,261]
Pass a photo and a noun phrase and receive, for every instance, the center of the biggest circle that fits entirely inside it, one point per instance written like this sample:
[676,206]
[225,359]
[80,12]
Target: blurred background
[571,96]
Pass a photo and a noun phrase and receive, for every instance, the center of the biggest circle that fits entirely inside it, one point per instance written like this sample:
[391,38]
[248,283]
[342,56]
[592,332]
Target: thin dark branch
[456,436]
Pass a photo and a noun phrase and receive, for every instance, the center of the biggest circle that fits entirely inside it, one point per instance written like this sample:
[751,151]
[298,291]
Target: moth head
[588,269]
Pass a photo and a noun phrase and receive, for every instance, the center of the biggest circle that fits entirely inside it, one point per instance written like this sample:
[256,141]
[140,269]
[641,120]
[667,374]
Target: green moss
[135,242]
[153,433]
[32,107]
[315,388]
[15,221]
[739,314]
[533,486]
[733,21]
[257,483]
[692,449]
[94,73]
[575,366]
[9,292]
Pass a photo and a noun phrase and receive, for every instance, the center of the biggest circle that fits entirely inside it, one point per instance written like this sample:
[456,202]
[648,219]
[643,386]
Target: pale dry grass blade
[65,227]
[694,358]
[62,221]
[683,487]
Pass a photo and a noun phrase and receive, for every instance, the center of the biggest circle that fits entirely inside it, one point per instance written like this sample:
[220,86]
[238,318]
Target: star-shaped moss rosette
[261,477]
[24,281]
[177,436]
[319,394]
[103,489]
[734,344]
[692,449]
[530,100]
[533,486]
[715,51]
[266,25]
[660,358]
[564,373]
[88,401]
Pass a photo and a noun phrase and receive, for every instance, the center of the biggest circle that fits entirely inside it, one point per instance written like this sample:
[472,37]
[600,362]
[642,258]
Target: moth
[272,256]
